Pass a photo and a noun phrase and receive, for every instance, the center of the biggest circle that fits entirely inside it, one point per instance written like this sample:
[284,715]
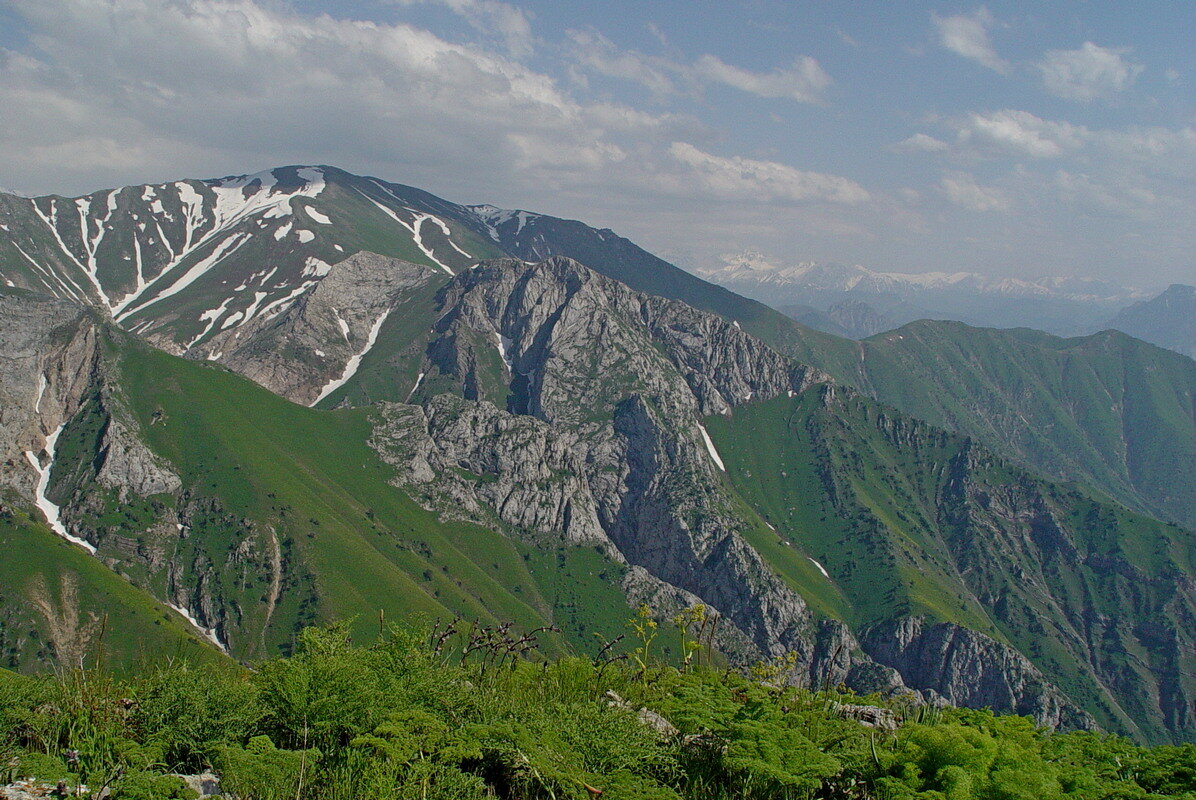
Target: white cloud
[198,86]
[738,178]
[1169,152]
[804,81]
[491,17]
[1021,133]
[1089,73]
[921,142]
[599,54]
[967,35]
[962,190]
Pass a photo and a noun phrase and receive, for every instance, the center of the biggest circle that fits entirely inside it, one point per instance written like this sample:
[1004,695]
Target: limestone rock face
[972,670]
[298,352]
[47,363]
[601,442]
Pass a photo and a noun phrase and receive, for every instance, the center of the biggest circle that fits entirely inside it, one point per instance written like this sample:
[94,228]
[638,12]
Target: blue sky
[1021,139]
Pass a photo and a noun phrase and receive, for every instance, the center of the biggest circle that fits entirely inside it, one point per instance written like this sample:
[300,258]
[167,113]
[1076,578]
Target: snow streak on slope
[230,207]
[504,350]
[44,504]
[51,220]
[413,227]
[41,391]
[354,362]
[209,633]
[222,251]
[419,380]
[718,462]
[821,569]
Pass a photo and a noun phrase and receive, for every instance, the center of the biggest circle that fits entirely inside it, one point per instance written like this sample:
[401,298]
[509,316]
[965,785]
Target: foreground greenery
[464,716]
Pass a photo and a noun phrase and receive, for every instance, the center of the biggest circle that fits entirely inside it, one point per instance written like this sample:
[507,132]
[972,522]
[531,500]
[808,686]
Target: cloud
[804,81]
[223,85]
[599,54]
[967,35]
[738,178]
[1089,73]
[1169,152]
[1021,133]
[492,18]
[962,190]
[921,142]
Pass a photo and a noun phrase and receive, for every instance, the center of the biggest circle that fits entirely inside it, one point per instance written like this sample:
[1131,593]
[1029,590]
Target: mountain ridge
[457,413]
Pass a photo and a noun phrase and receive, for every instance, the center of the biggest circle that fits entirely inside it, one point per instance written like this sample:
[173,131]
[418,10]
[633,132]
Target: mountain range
[1168,320]
[250,404]
[1060,305]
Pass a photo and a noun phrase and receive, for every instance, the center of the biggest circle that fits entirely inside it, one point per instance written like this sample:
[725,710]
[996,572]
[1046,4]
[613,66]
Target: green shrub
[141,785]
[260,771]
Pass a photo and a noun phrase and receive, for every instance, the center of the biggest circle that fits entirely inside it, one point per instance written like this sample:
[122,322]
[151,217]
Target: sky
[1019,139]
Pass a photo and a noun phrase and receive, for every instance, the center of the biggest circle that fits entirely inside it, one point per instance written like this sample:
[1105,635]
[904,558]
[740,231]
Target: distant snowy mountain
[1057,304]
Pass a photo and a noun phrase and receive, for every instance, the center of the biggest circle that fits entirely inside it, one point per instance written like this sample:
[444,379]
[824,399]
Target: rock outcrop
[310,344]
[972,670]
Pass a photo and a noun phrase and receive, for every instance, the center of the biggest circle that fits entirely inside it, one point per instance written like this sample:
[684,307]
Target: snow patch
[223,250]
[258,297]
[317,216]
[504,349]
[41,390]
[344,326]
[418,381]
[718,462]
[209,633]
[412,227]
[305,236]
[211,316]
[354,362]
[235,199]
[281,233]
[316,267]
[44,504]
[821,568]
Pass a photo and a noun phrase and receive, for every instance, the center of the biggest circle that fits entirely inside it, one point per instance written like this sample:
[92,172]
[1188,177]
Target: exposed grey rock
[127,465]
[649,718]
[297,352]
[624,466]
[972,670]
[869,716]
[479,459]
[47,360]
[205,784]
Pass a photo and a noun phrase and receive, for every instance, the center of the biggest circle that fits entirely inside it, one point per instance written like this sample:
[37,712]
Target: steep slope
[1168,320]
[57,602]
[931,540]
[1105,410]
[249,514]
[947,556]
[181,262]
[542,456]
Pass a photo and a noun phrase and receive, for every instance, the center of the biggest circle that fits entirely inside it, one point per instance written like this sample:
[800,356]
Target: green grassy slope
[1107,410]
[94,612]
[909,520]
[362,545]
